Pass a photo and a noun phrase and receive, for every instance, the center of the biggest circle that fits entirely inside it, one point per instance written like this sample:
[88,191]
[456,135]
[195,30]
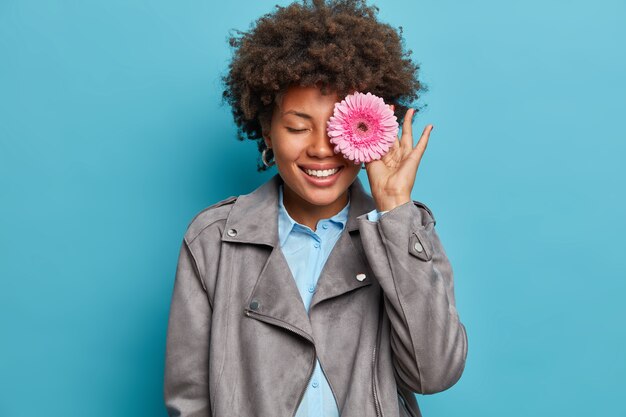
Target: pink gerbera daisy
[362,127]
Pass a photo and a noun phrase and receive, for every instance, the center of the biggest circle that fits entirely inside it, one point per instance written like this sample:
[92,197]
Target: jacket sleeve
[186,388]
[428,341]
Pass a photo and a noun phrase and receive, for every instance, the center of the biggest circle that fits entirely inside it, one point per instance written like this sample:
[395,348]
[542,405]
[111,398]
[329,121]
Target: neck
[309,214]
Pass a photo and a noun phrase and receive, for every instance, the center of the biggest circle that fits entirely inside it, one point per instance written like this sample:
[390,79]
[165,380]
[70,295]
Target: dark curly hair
[338,45]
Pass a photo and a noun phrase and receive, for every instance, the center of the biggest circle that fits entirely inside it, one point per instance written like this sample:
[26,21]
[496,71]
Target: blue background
[113,136]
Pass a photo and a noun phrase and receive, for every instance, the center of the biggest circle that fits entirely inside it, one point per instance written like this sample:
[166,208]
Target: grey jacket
[240,342]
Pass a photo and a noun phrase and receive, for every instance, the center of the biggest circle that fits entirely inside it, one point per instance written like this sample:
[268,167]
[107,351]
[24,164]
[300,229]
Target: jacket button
[361,277]
[254,305]
[232,232]
[418,247]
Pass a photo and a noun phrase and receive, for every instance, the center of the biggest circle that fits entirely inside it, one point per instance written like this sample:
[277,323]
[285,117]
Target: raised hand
[392,177]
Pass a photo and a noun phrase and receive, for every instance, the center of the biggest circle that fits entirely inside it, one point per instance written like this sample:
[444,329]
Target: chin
[322,202]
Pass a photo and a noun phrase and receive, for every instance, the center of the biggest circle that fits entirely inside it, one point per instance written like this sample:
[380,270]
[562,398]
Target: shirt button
[232,232]
[317,245]
[311,289]
[418,247]
[324,226]
[315,384]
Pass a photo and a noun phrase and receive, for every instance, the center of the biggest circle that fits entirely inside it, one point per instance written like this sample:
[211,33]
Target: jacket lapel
[346,269]
[276,298]
[253,219]
[254,216]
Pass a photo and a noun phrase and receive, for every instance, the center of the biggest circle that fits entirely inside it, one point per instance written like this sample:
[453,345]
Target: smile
[321,173]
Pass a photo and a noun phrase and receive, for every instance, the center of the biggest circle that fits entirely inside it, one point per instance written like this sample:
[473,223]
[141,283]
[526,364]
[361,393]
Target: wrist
[391,203]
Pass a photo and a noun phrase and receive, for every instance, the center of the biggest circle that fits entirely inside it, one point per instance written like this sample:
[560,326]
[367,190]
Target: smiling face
[299,141]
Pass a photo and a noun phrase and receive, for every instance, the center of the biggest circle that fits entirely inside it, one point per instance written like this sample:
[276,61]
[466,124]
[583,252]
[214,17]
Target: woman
[308,296]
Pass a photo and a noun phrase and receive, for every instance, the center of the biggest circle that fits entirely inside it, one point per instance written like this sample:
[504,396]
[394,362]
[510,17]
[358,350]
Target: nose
[320,146]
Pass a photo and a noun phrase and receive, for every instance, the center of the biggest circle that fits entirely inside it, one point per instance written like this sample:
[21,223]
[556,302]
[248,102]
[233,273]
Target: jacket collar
[254,216]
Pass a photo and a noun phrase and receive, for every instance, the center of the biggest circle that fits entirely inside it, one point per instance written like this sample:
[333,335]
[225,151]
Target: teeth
[322,173]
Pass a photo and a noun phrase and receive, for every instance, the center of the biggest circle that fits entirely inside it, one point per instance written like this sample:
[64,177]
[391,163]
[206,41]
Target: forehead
[308,99]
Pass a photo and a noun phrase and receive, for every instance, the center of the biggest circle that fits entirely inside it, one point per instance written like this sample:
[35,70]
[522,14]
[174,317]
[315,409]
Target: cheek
[354,167]
[352,170]
[285,151]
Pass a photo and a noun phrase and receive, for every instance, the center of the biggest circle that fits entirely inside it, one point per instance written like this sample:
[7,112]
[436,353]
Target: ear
[267,139]
[265,131]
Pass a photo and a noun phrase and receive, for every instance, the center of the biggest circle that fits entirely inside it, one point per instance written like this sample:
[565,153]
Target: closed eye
[296,130]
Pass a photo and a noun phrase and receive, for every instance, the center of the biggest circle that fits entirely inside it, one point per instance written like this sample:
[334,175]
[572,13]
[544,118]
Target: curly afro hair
[338,45]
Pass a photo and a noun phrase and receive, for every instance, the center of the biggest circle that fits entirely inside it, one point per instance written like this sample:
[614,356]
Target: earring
[264,158]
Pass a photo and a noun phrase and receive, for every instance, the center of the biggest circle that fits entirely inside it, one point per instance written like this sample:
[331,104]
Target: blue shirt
[306,252]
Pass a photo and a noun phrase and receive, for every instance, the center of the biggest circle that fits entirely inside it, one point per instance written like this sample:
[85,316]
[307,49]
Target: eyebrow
[297,113]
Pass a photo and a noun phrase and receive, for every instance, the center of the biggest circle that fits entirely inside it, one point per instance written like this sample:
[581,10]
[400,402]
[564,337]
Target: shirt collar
[286,223]
[247,209]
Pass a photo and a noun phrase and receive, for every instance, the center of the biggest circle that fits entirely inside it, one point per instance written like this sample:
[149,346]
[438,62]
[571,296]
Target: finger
[412,161]
[407,130]
[420,148]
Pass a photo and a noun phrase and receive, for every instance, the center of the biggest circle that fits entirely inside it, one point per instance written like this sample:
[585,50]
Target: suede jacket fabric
[382,321]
